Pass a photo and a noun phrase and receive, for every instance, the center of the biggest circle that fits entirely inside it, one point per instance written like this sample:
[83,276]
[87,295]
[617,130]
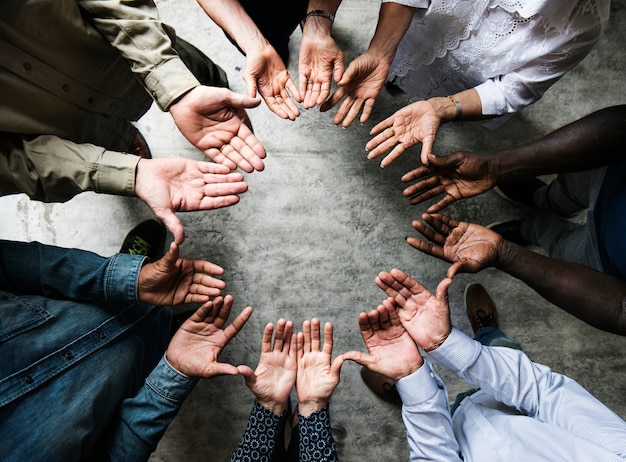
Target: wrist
[446,108]
[276,407]
[436,341]
[307,407]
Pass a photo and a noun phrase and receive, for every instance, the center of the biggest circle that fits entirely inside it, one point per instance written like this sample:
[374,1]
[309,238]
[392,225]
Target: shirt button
[27,66]
[28,379]
[66,87]
[69,355]
[103,335]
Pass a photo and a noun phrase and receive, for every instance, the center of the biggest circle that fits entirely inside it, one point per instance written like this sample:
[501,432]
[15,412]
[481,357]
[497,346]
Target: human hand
[426,317]
[468,246]
[417,122]
[173,281]
[266,73]
[196,345]
[207,117]
[174,184]
[459,175]
[317,376]
[361,84]
[392,351]
[275,375]
[320,61]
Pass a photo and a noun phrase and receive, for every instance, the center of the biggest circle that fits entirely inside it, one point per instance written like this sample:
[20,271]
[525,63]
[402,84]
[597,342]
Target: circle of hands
[213,119]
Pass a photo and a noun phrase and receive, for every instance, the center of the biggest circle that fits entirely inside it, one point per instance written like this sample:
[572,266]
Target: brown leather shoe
[481,310]
[382,386]
[139,147]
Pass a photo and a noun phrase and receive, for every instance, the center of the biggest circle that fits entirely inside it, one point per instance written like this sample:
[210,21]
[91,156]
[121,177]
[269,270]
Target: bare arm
[592,296]
[593,141]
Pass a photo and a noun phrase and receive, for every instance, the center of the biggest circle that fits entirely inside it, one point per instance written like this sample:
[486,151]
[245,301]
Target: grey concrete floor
[321,221]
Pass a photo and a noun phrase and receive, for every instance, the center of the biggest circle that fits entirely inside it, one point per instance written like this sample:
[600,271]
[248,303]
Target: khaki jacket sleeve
[51,169]
[136,31]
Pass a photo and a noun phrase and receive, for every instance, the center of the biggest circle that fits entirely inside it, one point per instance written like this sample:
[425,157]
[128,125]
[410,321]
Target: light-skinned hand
[361,84]
[392,351]
[275,375]
[416,123]
[207,117]
[173,184]
[425,316]
[317,375]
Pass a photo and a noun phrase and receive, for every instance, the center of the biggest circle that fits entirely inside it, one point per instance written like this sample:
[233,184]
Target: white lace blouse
[510,51]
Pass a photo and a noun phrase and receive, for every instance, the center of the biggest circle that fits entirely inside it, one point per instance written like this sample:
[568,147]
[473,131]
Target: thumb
[171,222]
[339,68]
[358,357]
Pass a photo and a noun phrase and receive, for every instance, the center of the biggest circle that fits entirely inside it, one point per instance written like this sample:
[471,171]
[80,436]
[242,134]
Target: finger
[279,336]
[427,194]
[333,100]
[429,233]
[427,148]
[315,335]
[335,367]
[339,67]
[358,357]
[266,341]
[306,330]
[247,159]
[324,91]
[275,104]
[443,203]
[365,328]
[173,224]
[289,339]
[328,339]
[343,109]
[203,312]
[426,247]
[393,155]
[218,369]
[355,108]
[383,317]
[249,375]
[368,106]
[238,323]
[232,154]
[221,311]
[454,269]
[382,125]
[216,156]
[381,143]
[415,174]
[295,93]
[300,345]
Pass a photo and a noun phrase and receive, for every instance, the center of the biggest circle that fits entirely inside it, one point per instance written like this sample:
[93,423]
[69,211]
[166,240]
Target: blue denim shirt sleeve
[262,436]
[144,417]
[316,438]
[78,275]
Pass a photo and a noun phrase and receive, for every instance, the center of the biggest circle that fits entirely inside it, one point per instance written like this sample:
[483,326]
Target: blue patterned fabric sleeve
[316,438]
[264,435]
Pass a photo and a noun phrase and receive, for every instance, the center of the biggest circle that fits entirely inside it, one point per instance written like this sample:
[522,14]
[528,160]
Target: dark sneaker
[382,386]
[511,231]
[521,191]
[480,308]
[147,238]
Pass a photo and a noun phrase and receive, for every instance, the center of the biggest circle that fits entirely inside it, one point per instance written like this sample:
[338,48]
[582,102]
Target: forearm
[136,31]
[316,437]
[234,20]
[144,418]
[73,274]
[470,106]
[426,415]
[262,422]
[593,141]
[50,169]
[592,296]
[509,376]
[393,21]
[319,25]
